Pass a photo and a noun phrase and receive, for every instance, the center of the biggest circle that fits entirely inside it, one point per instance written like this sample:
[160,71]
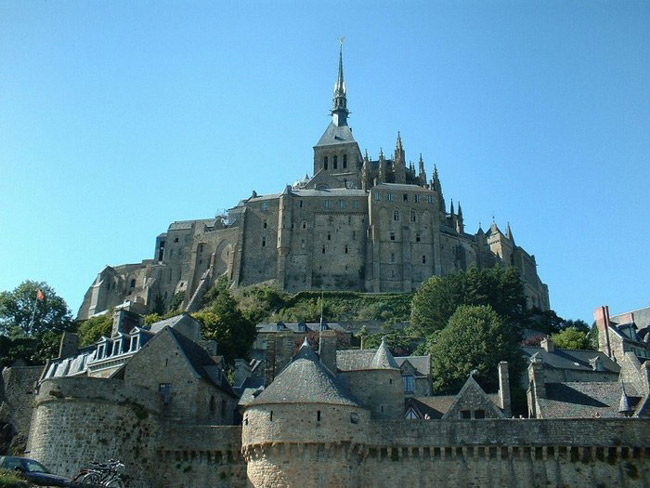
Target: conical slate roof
[305,380]
[383,358]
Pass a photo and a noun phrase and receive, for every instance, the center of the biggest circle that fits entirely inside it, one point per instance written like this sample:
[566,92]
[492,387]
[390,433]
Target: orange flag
[39,295]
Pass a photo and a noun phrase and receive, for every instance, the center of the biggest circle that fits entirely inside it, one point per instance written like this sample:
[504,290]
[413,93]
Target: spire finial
[340,104]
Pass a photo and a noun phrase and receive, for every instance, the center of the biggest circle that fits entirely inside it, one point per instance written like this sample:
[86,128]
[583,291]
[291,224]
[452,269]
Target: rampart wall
[78,420]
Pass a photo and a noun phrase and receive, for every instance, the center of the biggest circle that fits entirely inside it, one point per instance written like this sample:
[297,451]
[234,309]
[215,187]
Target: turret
[382,167]
[460,225]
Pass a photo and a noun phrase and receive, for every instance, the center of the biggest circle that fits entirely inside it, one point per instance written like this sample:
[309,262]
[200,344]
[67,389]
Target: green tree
[476,339]
[437,299]
[226,324]
[91,330]
[32,308]
[571,338]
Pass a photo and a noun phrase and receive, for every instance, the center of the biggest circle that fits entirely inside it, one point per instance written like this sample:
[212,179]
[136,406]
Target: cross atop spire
[340,110]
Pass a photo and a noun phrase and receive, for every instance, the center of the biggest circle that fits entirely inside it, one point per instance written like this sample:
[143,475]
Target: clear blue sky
[119,117]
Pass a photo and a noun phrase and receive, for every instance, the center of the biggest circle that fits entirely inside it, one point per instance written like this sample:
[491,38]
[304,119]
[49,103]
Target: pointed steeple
[421,172]
[509,233]
[340,110]
[382,166]
[383,359]
[460,225]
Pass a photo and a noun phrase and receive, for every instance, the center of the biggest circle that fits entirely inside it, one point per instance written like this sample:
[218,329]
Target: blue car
[32,471]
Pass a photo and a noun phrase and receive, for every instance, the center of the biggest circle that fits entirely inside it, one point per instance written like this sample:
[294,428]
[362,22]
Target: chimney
[69,345]
[547,344]
[327,349]
[601,316]
[504,388]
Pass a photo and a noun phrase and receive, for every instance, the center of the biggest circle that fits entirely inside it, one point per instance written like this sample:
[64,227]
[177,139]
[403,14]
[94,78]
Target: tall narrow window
[345,161]
[392,236]
[346,249]
[405,197]
[263,241]
[335,162]
[377,196]
[329,236]
[325,163]
[318,415]
[417,237]
[323,249]
[265,224]
[300,203]
[396,215]
[424,259]
[165,390]
[413,216]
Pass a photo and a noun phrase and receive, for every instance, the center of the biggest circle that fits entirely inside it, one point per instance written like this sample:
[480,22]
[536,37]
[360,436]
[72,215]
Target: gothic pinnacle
[339,103]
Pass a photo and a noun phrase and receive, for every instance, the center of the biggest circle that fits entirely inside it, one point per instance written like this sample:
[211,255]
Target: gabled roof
[296,327]
[571,359]
[200,361]
[586,399]
[305,380]
[421,364]
[473,396]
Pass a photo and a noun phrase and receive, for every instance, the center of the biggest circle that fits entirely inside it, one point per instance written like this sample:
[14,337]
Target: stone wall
[200,456]
[78,420]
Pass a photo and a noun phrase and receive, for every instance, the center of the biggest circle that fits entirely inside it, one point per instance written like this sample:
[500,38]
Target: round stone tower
[305,429]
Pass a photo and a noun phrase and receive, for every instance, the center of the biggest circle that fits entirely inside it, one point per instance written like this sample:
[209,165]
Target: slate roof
[422,364]
[585,399]
[201,362]
[295,327]
[571,359]
[435,407]
[352,359]
[342,192]
[305,380]
[383,359]
[336,135]
[170,322]
[399,186]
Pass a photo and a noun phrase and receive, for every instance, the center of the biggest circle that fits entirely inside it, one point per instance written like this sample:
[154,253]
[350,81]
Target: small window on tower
[392,236]
[325,163]
[300,203]
[405,197]
[345,161]
[264,224]
[263,241]
[346,249]
[424,259]
[417,237]
[335,162]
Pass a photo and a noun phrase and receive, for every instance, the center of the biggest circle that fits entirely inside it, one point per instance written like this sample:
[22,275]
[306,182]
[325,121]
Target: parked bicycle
[100,475]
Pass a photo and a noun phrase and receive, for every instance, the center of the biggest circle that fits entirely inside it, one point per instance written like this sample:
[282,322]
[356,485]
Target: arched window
[396,215]
[133,283]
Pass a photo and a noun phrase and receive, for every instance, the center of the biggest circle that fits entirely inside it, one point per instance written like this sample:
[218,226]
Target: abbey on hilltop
[356,224]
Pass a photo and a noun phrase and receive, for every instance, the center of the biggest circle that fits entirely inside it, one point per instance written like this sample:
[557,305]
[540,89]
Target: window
[318,415]
[396,215]
[300,203]
[405,197]
[465,414]
[165,390]
[175,239]
[263,241]
[325,163]
[479,414]
[328,204]
[392,236]
[354,418]
[329,236]
[409,384]
[100,352]
[413,216]
[245,419]
[389,197]
[133,283]
[354,235]
[271,416]
[345,161]
[265,206]
[302,243]
[117,347]
[417,198]
[323,249]
[417,237]
[424,259]
[304,225]
[377,196]
[335,161]
[392,257]
[355,204]
[264,224]
[346,249]
[213,405]
[429,198]
[341,203]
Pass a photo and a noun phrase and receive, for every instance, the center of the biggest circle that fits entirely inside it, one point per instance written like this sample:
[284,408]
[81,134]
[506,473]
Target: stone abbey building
[356,224]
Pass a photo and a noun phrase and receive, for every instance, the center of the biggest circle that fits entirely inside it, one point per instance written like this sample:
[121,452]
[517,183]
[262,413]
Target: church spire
[340,103]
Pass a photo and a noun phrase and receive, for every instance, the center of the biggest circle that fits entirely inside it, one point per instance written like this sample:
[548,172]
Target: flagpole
[31,322]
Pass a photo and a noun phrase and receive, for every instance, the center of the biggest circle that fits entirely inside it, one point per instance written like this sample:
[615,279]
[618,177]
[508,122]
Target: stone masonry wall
[78,420]
[200,456]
